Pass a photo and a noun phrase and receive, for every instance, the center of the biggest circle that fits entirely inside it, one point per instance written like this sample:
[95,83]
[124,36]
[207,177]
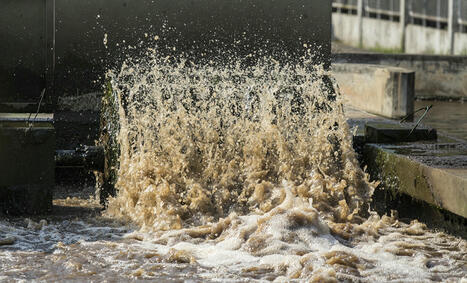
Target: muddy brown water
[230,180]
[76,243]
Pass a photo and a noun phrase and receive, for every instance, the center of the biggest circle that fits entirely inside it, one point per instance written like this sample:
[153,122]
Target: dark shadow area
[76,128]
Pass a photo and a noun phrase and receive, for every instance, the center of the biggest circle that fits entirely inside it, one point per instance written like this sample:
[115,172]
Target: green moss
[385,50]
[109,128]
[398,174]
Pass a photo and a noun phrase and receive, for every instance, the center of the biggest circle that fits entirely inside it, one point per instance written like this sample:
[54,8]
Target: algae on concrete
[441,187]
[109,129]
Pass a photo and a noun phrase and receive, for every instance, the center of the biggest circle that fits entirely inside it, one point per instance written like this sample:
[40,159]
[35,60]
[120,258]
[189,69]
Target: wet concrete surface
[448,117]
[439,155]
[430,172]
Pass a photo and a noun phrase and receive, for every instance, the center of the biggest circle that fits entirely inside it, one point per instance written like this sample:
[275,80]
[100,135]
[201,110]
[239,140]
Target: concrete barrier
[382,90]
[424,180]
[437,77]
[433,173]
[27,164]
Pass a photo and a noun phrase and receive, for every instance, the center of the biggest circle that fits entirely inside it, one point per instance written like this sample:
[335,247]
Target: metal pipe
[88,157]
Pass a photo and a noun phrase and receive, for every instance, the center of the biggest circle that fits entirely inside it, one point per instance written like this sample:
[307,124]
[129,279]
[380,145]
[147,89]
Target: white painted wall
[345,28]
[460,43]
[426,40]
[381,34]
[386,34]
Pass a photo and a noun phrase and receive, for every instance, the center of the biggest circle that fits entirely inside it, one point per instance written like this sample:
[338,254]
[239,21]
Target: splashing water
[247,170]
[233,173]
[199,143]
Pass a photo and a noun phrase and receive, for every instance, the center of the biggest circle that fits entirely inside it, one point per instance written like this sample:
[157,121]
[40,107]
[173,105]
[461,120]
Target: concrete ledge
[438,76]
[433,173]
[382,90]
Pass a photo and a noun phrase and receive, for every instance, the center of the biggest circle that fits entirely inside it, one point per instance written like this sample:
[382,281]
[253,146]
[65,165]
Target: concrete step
[378,89]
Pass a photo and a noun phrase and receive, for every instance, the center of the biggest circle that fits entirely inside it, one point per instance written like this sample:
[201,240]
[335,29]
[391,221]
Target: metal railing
[462,15]
[433,13]
[345,6]
[385,7]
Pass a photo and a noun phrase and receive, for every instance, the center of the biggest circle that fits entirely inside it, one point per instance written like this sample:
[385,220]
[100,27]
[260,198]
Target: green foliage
[385,50]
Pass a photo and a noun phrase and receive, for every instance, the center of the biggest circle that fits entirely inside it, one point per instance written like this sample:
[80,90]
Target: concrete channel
[422,175]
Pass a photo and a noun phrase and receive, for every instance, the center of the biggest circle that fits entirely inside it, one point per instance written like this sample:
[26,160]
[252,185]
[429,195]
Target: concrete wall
[460,43]
[440,77]
[426,40]
[383,34]
[344,28]
[402,171]
[377,35]
[27,164]
[382,90]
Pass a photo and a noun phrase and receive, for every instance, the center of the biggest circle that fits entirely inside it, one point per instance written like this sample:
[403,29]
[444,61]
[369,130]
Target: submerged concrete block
[381,90]
[396,132]
[27,164]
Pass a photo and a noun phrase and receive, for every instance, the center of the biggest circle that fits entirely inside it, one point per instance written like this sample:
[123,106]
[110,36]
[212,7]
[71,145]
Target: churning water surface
[230,173]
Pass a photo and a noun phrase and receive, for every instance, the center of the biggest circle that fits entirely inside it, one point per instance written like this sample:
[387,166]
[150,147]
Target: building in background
[410,26]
